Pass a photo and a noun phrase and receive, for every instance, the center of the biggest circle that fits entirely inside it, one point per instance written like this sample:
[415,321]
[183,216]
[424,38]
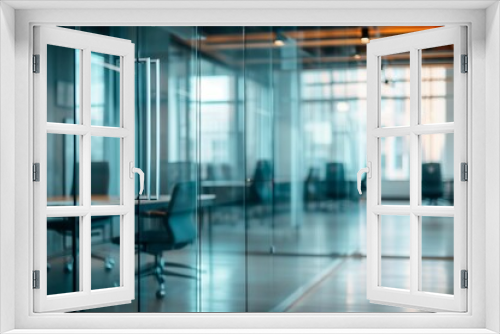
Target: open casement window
[416,143]
[83,162]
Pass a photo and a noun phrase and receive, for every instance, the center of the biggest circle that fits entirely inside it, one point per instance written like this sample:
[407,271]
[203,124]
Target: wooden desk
[205,199]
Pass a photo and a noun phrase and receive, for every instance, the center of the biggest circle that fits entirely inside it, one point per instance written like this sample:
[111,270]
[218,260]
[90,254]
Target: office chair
[432,182]
[335,182]
[181,171]
[99,186]
[313,190]
[176,231]
[218,172]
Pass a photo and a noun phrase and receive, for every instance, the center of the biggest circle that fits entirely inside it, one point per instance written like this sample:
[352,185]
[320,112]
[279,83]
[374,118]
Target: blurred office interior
[250,139]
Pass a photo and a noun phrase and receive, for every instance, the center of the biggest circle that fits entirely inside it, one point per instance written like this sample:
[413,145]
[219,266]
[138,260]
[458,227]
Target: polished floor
[272,264]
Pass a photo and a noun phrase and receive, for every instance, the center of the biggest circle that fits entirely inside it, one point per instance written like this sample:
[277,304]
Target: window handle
[367,170]
[133,170]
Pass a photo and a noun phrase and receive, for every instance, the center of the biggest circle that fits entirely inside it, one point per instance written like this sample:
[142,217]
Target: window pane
[105,90]
[437,254]
[437,85]
[105,252]
[395,170]
[63,85]
[105,170]
[395,251]
[63,169]
[395,90]
[63,253]
[437,169]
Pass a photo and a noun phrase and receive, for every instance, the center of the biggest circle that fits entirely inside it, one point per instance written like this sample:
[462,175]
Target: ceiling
[311,47]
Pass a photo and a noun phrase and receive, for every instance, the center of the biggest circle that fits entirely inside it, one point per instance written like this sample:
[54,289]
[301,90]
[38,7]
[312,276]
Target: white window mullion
[85,180]
[414,169]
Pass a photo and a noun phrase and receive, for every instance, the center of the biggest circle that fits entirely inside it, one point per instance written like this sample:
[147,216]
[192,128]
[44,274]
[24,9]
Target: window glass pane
[395,251]
[105,170]
[63,169]
[437,85]
[105,90]
[105,231]
[437,169]
[395,170]
[437,254]
[63,255]
[63,85]
[395,90]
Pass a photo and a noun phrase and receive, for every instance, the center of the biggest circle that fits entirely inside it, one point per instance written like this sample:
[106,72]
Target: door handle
[132,171]
[367,170]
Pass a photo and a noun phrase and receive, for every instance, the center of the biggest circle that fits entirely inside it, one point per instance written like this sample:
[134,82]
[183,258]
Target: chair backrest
[174,172]
[432,180]
[181,213]
[99,183]
[100,178]
[336,186]
[335,172]
[218,172]
[262,181]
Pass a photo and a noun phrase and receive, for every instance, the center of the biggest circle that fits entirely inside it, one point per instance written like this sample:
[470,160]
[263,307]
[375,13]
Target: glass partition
[250,139]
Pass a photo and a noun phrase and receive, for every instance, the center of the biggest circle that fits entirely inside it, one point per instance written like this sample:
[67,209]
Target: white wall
[492,164]
[7,162]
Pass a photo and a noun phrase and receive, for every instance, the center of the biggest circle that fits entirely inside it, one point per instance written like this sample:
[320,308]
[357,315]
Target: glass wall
[250,139]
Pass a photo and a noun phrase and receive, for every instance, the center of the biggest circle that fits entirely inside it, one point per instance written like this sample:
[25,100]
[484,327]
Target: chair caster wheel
[160,294]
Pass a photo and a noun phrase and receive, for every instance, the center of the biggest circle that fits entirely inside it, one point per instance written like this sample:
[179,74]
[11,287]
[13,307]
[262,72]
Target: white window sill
[252,331]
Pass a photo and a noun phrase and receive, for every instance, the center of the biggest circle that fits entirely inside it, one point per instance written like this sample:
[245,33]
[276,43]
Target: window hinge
[36,63]
[465,64]
[465,279]
[464,171]
[36,279]
[36,172]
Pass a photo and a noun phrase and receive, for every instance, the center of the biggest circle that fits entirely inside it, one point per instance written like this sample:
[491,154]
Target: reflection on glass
[105,170]
[395,170]
[395,251]
[63,85]
[105,90]
[437,85]
[269,123]
[437,169]
[437,254]
[395,90]
[105,252]
[63,169]
[63,255]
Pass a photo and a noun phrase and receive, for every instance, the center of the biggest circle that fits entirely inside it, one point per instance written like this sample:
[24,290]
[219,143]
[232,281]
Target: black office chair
[432,182]
[177,230]
[313,190]
[218,172]
[99,186]
[336,185]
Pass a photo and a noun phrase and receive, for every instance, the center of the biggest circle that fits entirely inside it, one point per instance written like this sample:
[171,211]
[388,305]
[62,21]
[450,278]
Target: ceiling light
[365,37]
[279,42]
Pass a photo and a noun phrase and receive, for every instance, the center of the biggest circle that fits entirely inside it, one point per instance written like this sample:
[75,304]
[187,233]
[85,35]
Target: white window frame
[414,43]
[475,320]
[85,297]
